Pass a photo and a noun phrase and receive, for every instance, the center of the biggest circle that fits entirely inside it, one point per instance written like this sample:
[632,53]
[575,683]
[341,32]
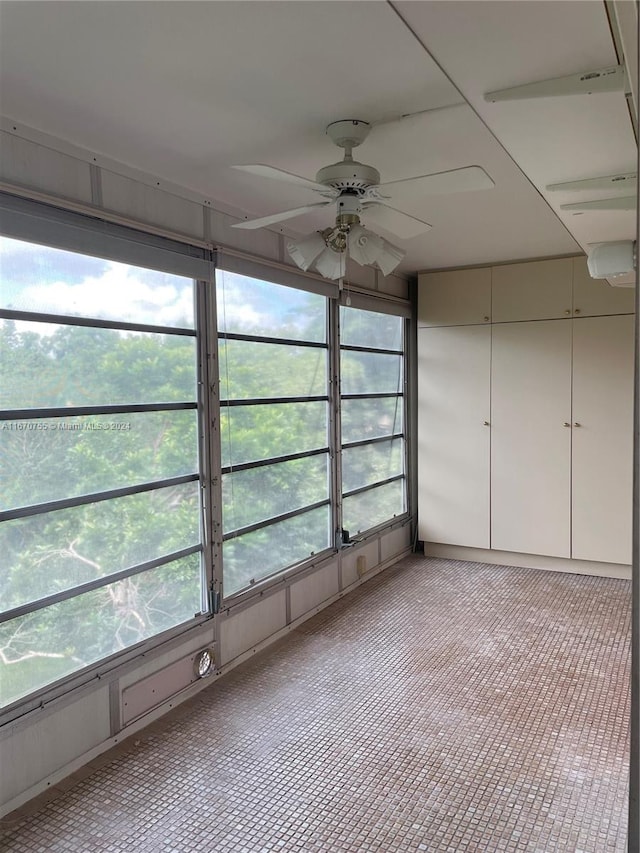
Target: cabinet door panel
[594,296]
[603,443]
[454,297]
[530,446]
[453,441]
[536,290]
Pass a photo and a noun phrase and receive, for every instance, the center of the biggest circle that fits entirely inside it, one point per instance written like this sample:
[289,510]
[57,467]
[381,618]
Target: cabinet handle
[486,319]
[486,423]
[568,311]
[566,424]
[577,424]
[577,311]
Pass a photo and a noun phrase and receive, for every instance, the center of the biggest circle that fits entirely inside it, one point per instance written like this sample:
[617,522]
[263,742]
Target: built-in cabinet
[531,437]
[539,290]
[525,420]
[602,438]
[455,298]
[453,452]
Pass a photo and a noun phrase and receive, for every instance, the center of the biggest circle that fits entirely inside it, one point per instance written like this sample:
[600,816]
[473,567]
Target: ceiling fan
[356,191]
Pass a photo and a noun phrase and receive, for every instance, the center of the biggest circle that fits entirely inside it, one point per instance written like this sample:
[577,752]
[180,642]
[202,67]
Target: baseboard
[528,561]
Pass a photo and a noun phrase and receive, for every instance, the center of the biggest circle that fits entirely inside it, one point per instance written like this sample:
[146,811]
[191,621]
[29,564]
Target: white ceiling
[183,90]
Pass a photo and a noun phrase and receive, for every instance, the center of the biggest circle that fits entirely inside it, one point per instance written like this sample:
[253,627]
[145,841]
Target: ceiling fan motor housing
[348,175]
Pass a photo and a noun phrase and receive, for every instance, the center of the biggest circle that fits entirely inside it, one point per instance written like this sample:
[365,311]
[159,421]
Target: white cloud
[118,294]
[234,311]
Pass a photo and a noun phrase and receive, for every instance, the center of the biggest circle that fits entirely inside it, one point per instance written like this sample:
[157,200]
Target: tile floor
[444,706]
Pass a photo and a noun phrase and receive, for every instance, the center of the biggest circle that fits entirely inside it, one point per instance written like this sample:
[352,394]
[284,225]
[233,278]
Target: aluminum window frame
[269,275]
[367,304]
[47,226]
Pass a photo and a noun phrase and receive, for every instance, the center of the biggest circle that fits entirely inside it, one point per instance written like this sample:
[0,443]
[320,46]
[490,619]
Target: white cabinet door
[530,446]
[536,290]
[602,438]
[453,439]
[595,296]
[454,297]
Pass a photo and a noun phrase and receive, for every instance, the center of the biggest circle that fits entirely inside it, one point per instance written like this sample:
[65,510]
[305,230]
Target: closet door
[531,437]
[602,438]
[454,435]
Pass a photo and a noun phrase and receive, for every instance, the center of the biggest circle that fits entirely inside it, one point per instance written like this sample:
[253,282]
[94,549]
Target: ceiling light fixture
[326,251]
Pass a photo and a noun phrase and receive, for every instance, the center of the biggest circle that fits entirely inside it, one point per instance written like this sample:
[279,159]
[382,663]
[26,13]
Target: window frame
[47,226]
[269,275]
[367,304]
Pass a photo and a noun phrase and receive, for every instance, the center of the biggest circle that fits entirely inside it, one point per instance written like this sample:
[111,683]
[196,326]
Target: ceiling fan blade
[462,180]
[625,202]
[250,224]
[608,182]
[280,175]
[394,221]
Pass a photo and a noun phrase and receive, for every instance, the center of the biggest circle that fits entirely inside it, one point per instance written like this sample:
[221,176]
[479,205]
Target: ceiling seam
[399,14]
[619,50]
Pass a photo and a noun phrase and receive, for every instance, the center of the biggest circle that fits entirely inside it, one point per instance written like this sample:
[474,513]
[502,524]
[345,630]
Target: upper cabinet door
[537,290]
[454,298]
[602,438]
[594,296]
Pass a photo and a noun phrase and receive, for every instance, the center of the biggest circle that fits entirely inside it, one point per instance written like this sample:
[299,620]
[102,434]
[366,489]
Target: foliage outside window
[273,356]
[99,492]
[372,407]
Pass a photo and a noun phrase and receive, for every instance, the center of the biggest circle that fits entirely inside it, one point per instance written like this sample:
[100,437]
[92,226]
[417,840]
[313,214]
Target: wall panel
[251,625]
[54,738]
[313,589]
[30,165]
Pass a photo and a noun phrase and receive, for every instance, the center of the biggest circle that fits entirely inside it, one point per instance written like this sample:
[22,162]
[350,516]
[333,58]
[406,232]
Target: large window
[99,486]
[116,464]
[273,362]
[372,407]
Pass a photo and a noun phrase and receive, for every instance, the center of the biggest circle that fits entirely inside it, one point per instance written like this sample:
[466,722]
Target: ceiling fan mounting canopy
[348,133]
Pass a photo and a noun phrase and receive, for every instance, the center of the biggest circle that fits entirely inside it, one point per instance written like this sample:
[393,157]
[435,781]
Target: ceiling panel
[489,46]
[184,90]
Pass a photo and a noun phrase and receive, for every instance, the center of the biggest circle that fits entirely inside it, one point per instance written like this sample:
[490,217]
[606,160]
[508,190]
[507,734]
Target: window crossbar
[96,497]
[77,411]
[274,460]
[377,350]
[378,440]
[259,525]
[375,485]
[92,322]
[372,396]
[266,339]
[267,401]
[89,586]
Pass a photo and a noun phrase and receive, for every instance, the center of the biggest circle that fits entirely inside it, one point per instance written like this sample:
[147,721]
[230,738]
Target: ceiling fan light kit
[327,250]
[355,189]
[305,251]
